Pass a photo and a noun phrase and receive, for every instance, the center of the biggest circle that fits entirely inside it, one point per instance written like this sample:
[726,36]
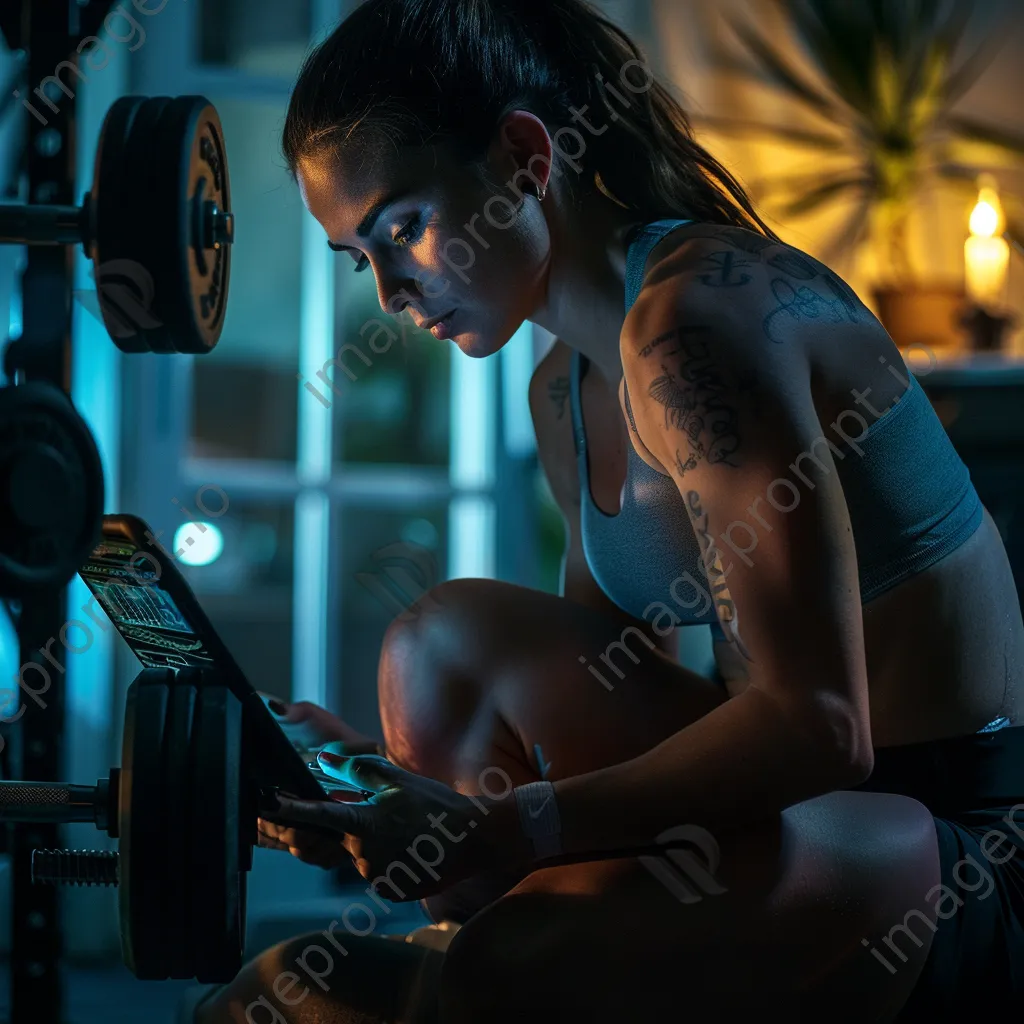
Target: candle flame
[987,216]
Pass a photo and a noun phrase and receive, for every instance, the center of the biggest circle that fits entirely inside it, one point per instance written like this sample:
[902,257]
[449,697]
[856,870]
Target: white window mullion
[472,517]
[313,506]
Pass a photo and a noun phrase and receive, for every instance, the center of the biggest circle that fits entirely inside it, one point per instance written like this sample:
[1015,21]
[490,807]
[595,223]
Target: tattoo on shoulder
[711,561]
[727,270]
[697,402]
[558,392]
[830,299]
[796,304]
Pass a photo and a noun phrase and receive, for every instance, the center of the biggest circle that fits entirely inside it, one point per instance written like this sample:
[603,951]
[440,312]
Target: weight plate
[144,827]
[119,282]
[163,227]
[217,869]
[179,937]
[51,489]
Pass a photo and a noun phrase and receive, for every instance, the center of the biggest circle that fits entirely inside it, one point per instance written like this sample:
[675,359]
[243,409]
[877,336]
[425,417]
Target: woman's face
[437,239]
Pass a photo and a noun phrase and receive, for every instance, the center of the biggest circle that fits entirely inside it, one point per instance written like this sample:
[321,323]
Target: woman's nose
[397,294]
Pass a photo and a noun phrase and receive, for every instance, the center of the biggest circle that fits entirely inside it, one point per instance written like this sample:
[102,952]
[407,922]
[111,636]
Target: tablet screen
[145,614]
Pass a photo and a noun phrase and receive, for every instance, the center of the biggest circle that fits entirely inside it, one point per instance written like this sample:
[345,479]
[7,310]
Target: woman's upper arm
[725,405]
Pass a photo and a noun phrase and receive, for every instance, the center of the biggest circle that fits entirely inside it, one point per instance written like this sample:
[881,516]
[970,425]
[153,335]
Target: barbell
[157,224]
[183,807]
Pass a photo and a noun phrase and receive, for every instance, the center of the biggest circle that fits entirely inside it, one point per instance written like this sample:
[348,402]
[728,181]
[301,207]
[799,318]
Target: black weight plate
[217,878]
[144,828]
[178,938]
[51,489]
[172,283]
[203,265]
[120,283]
[151,186]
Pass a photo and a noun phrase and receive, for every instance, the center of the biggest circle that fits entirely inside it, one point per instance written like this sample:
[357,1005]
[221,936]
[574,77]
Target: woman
[733,441]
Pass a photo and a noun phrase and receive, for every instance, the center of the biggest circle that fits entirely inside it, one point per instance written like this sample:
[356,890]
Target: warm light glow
[984,219]
[986,253]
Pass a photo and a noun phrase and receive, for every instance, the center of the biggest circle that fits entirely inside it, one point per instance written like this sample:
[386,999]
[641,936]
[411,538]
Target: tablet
[154,610]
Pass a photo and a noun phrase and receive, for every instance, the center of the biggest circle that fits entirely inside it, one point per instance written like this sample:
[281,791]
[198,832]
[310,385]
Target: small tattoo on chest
[558,392]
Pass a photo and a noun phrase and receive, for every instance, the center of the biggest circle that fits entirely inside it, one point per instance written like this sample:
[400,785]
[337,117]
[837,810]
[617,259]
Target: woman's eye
[404,237]
[408,233]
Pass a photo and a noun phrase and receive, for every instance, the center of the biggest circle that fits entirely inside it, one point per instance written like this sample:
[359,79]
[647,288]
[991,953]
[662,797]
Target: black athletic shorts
[974,787]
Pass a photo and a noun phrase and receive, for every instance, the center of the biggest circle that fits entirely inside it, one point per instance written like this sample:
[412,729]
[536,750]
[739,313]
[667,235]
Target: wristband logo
[680,870]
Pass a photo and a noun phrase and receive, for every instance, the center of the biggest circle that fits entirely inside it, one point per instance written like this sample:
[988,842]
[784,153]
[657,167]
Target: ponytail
[446,72]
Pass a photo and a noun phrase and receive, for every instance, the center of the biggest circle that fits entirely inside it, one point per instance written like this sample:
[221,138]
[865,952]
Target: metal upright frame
[49,31]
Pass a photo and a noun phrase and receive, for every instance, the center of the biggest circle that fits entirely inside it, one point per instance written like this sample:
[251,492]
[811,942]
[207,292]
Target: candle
[986,253]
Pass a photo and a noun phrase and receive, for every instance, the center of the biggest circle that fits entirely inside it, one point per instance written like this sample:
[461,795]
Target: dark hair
[445,72]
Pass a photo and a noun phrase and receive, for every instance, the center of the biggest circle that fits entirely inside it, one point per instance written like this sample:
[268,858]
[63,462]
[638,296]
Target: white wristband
[538,815]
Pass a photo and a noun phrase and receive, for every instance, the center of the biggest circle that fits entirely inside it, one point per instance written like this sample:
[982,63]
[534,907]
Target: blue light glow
[198,543]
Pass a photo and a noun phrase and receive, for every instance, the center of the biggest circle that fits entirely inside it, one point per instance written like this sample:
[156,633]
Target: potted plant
[889,75]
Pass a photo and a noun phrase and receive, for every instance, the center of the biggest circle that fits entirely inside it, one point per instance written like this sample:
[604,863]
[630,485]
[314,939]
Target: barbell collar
[42,225]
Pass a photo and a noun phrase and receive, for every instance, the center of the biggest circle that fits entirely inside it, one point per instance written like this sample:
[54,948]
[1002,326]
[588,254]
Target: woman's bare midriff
[944,648]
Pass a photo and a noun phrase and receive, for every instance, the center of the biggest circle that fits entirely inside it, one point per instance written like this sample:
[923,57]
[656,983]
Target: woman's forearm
[746,760]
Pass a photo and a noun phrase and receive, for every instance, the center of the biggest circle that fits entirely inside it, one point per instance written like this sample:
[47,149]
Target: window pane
[265,37]
[391,384]
[245,390]
[389,558]
[246,589]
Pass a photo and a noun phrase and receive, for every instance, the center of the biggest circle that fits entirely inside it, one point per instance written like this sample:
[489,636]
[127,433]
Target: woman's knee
[434,674]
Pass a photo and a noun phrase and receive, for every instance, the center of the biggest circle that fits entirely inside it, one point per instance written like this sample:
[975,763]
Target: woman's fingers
[308,847]
[331,815]
[368,772]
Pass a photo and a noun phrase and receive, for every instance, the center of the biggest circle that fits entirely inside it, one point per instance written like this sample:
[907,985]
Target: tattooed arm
[727,411]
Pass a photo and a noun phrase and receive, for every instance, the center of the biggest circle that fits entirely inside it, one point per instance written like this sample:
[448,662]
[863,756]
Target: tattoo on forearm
[697,402]
[711,558]
[558,392]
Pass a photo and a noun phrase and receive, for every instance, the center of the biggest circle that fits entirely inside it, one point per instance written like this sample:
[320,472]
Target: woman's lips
[443,329]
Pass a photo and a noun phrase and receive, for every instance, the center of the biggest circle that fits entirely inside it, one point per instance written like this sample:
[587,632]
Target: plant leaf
[1002,138]
[824,193]
[838,38]
[847,238]
[779,71]
[798,136]
[971,68]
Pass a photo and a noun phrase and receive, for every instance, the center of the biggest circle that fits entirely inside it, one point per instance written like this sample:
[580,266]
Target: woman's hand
[309,727]
[309,846]
[416,834]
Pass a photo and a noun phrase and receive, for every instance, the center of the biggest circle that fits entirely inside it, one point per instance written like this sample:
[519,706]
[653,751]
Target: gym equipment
[157,224]
[183,806]
[158,228]
[51,489]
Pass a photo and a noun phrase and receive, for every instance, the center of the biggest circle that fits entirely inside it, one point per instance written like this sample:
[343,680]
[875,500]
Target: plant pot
[926,317]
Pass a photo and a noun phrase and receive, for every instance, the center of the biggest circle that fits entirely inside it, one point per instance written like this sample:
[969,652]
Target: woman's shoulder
[712,276]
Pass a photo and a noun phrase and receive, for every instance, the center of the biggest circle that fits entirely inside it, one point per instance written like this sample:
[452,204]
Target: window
[358,473]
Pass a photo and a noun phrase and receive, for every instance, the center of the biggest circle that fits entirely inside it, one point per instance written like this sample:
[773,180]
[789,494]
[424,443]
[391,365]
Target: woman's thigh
[331,977]
[797,909]
[484,675]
